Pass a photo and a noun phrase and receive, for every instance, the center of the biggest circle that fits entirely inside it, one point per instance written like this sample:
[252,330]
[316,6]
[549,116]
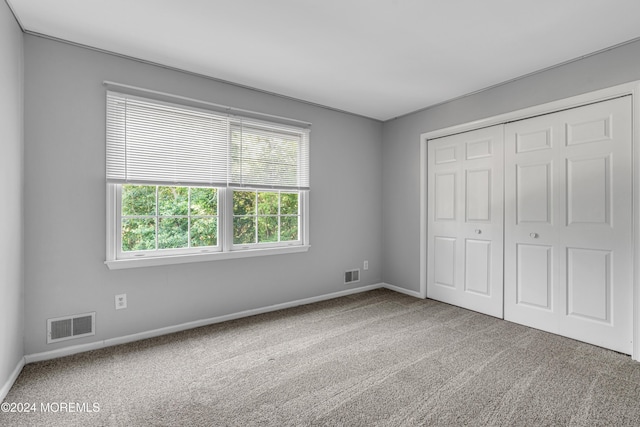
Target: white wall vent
[352,276]
[70,327]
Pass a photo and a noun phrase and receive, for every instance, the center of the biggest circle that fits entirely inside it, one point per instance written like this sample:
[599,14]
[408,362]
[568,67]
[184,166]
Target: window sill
[119,264]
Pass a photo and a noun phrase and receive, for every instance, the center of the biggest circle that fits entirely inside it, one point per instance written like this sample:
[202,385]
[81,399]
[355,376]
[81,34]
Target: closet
[465,188]
[532,221]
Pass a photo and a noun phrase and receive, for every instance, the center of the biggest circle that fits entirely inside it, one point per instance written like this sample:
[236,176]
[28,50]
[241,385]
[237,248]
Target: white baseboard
[415,294]
[62,352]
[12,379]
[67,351]
[233,316]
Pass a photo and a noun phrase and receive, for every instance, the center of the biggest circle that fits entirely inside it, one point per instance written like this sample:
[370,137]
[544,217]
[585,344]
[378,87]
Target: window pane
[204,232]
[138,200]
[267,203]
[244,202]
[244,230]
[289,228]
[173,200]
[289,203]
[173,233]
[138,234]
[267,229]
[204,201]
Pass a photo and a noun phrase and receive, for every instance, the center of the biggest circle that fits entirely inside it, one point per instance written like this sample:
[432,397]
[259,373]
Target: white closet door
[568,223]
[465,225]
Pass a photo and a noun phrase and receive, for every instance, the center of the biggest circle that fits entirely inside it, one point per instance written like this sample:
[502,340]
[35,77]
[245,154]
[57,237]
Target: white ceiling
[376,58]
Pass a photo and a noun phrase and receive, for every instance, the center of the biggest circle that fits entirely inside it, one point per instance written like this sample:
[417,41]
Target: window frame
[227,250]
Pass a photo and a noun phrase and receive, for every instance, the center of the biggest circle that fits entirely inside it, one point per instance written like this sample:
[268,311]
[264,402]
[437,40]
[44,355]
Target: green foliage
[175,210]
[138,234]
[138,200]
[289,203]
[289,225]
[204,201]
[173,233]
[289,228]
[267,229]
[244,230]
[165,217]
[267,203]
[173,201]
[204,232]
[244,202]
[264,217]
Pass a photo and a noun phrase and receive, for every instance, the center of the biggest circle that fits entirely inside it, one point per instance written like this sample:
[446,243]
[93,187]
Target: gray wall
[65,204]
[11,177]
[401,143]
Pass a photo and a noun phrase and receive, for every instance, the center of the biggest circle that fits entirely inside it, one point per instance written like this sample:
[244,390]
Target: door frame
[633,89]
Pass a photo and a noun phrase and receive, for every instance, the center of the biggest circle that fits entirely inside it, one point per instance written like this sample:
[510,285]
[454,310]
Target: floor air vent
[352,276]
[70,327]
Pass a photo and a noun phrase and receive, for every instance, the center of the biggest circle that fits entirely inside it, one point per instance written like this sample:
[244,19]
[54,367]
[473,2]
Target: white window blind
[267,155]
[150,141]
[156,142]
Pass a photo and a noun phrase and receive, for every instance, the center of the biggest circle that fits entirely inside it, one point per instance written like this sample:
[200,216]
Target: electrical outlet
[366,265]
[121,301]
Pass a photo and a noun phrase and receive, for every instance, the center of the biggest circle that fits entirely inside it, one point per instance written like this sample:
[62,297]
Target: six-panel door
[568,223]
[465,225]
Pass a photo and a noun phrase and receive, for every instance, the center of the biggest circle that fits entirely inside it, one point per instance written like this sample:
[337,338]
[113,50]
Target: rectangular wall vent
[352,276]
[70,327]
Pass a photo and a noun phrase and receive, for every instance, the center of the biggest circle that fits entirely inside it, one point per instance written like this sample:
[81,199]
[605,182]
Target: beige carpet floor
[374,359]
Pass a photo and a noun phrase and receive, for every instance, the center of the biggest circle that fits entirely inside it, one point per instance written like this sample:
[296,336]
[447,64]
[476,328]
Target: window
[162,218]
[265,217]
[186,183]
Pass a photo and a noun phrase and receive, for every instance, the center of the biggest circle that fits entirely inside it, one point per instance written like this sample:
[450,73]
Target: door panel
[593,130]
[589,284]
[465,224]
[533,193]
[588,190]
[568,238]
[533,140]
[445,155]
[478,149]
[534,281]
[445,261]
[478,195]
[478,267]
[445,199]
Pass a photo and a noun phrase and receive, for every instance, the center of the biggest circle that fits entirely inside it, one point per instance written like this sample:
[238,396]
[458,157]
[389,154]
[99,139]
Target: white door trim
[632,88]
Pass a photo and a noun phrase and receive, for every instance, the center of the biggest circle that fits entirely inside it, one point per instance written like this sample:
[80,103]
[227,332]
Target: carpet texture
[373,359]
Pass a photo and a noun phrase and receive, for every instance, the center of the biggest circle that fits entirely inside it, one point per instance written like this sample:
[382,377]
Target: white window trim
[228,250]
